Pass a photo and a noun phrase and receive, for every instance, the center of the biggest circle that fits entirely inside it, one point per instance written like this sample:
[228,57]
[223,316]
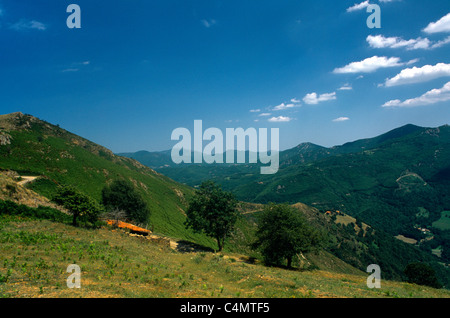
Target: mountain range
[406,160]
[398,182]
[363,194]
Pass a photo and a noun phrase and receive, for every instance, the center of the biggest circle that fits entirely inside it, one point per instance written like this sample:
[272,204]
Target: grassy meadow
[35,255]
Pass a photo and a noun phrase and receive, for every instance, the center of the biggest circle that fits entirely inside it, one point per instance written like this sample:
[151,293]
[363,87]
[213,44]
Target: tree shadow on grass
[189,247]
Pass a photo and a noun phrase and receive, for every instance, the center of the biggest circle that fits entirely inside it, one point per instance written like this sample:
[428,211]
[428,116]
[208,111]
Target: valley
[396,182]
[345,191]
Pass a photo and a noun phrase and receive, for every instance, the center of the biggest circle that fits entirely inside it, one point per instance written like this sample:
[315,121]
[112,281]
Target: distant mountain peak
[307,145]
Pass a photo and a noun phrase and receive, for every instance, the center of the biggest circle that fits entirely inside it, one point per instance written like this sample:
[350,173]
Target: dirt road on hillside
[26,180]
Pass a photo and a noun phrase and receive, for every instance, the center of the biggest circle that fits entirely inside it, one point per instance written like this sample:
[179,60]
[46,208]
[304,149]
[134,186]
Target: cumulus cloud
[358,6]
[280,119]
[369,65]
[442,25]
[363,5]
[381,42]
[340,119]
[314,98]
[283,106]
[441,43]
[419,74]
[431,97]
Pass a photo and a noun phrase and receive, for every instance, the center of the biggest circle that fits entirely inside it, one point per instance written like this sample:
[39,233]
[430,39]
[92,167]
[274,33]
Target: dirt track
[26,180]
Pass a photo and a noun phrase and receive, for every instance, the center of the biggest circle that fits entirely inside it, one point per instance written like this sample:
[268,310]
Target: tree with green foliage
[122,195]
[446,253]
[422,274]
[283,232]
[213,212]
[78,204]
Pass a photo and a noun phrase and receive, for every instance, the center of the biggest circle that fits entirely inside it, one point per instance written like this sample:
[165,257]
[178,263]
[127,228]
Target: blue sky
[136,70]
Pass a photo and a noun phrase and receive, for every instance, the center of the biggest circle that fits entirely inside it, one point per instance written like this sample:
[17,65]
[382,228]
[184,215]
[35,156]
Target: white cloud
[341,119]
[431,97]
[28,25]
[207,23]
[419,74]
[363,5]
[381,42]
[283,106]
[441,43]
[314,99]
[413,61]
[358,6]
[287,105]
[265,114]
[77,66]
[280,119]
[369,65]
[442,25]
[255,110]
[346,87]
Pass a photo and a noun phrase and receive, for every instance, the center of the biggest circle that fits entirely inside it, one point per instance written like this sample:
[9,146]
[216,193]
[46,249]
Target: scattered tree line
[118,200]
[282,233]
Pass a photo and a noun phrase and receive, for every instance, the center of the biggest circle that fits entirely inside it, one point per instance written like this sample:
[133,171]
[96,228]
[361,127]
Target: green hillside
[384,180]
[386,186]
[38,244]
[114,264]
[397,183]
[34,147]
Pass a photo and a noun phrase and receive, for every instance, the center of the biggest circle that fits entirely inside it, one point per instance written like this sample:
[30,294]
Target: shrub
[422,274]
[79,204]
[11,208]
[122,196]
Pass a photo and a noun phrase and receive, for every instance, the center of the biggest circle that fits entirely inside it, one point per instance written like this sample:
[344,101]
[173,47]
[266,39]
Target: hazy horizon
[134,72]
